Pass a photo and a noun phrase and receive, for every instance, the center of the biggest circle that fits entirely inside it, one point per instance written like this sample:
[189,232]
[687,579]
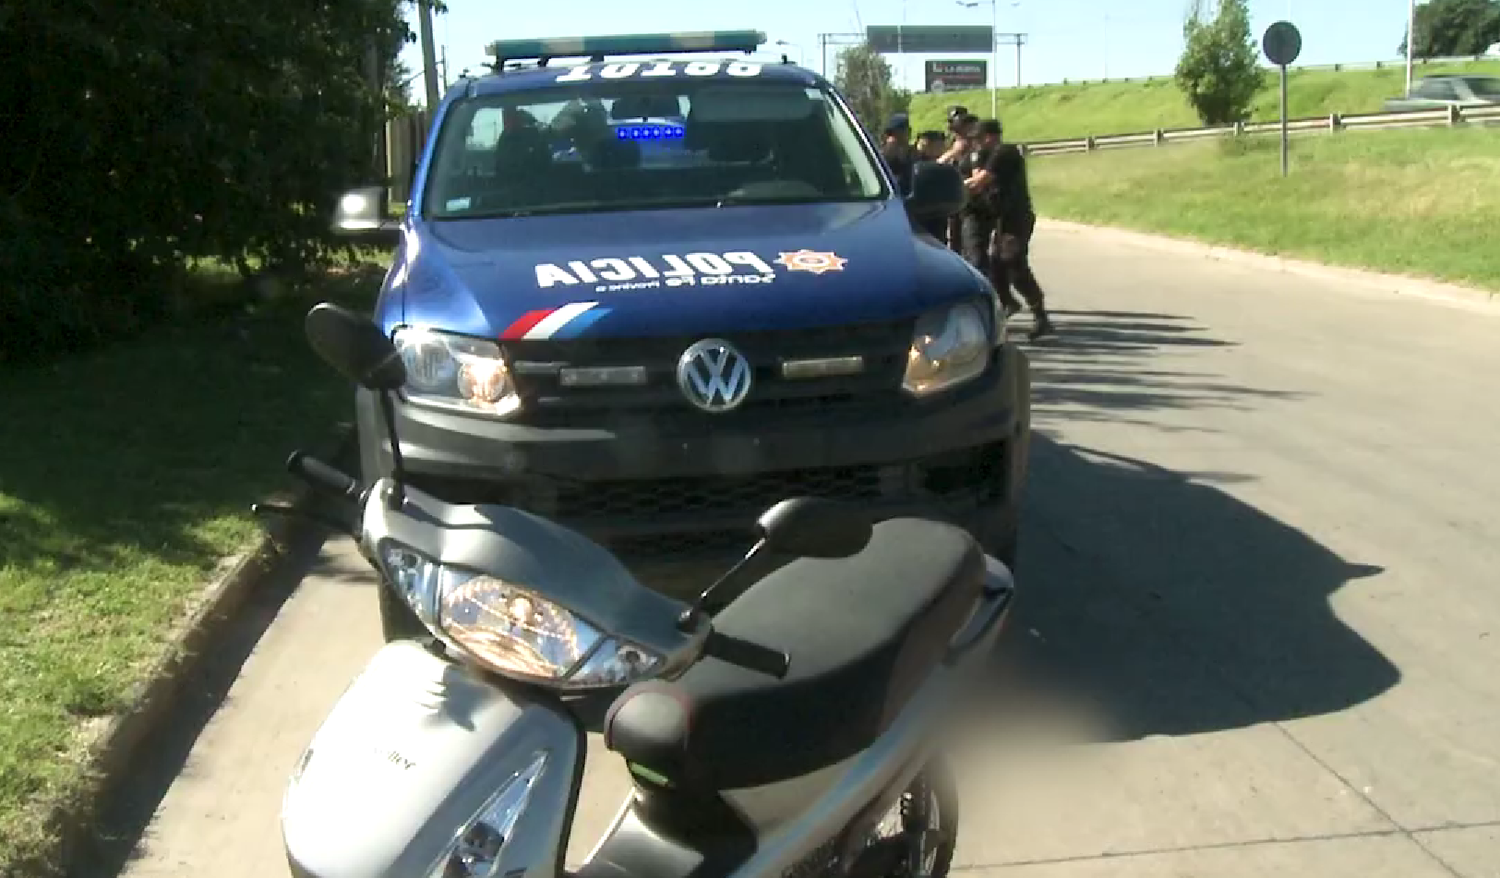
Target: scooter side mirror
[355,347]
[813,527]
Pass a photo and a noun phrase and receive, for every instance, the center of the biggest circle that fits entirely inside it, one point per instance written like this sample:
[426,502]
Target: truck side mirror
[364,214]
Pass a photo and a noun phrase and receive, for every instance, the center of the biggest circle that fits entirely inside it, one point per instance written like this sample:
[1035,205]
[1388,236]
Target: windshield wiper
[749,200]
[488,214]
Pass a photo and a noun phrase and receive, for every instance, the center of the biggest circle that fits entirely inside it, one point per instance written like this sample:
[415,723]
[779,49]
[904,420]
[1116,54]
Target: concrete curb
[1395,284]
[234,582]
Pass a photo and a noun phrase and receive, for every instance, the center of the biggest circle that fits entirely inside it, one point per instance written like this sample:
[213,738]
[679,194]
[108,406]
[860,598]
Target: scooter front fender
[423,760]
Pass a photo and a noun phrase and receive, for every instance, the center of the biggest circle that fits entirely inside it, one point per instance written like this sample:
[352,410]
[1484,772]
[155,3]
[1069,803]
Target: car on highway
[1437,92]
[650,297]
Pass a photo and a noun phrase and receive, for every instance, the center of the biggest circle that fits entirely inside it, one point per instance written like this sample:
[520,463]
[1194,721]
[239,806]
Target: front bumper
[637,476]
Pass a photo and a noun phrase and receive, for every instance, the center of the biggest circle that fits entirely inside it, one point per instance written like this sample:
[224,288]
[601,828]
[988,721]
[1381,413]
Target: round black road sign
[1282,43]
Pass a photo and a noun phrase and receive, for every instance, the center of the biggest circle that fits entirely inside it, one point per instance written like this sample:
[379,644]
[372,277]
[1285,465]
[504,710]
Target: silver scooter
[791,730]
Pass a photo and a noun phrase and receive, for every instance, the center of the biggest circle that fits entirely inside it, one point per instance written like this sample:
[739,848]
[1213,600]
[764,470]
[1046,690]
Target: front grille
[954,475]
[641,520]
[546,401]
[714,495]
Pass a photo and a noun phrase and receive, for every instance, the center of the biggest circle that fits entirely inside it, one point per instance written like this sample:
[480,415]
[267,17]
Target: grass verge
[125,478]
[1055,112]
[1419,202]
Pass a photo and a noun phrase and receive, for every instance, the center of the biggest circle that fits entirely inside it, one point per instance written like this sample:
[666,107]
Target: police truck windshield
[601,145]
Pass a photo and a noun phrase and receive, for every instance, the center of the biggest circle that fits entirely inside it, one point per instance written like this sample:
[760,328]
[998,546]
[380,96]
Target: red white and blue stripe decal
[569,321]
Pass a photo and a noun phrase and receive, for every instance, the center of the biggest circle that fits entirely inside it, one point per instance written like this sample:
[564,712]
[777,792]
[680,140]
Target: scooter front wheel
[925,822]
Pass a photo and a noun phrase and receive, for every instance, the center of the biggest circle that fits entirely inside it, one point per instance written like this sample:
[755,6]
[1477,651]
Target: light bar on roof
[629,44]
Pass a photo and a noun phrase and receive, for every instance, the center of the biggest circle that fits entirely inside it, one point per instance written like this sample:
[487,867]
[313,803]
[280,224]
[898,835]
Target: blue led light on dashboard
[650,132]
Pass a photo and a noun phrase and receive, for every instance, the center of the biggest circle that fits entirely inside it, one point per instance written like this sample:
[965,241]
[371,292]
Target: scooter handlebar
[322,477]
[748,655]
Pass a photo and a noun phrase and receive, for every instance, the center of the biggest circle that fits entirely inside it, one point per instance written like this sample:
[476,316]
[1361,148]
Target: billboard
[941,76]
[920,39]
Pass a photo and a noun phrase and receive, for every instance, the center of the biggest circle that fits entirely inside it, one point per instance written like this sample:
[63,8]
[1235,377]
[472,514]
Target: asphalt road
[1259,631]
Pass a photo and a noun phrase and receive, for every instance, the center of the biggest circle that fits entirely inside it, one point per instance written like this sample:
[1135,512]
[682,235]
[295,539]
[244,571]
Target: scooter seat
[862,634]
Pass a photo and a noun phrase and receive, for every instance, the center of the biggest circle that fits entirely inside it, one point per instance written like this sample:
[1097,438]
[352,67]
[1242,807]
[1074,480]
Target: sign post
[1282,44]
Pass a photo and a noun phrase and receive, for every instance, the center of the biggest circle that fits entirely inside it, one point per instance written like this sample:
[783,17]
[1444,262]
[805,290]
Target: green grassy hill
[1419,201]
[1052,112]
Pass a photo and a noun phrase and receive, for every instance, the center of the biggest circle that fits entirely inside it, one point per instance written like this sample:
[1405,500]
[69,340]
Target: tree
[1219,70]
[864,76]
[172,132]
[1449,28]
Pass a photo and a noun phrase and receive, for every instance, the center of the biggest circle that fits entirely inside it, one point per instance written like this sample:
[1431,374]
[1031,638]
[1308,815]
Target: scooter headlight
[513,630]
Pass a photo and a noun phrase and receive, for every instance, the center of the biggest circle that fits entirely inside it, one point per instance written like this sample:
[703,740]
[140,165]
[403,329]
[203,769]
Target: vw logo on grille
[714,376]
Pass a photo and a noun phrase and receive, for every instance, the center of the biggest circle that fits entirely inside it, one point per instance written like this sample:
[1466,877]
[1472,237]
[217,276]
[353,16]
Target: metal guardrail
[1333,123]
[1398,64]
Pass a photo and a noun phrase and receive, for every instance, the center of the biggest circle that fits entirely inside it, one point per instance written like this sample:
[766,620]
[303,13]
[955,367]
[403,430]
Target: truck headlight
[512,630]
[949,347]
[456,372]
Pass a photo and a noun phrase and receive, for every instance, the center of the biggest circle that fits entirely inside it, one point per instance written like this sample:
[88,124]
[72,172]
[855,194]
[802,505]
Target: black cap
[990,126]
[957,112]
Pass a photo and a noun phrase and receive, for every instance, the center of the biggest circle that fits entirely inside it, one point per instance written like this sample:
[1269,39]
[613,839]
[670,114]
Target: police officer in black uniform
[897,150]
[930,147]
[978,218]
[902,156]
[961,127]
[998,179]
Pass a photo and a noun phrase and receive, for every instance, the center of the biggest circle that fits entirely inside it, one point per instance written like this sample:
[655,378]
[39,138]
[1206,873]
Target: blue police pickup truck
[649,296]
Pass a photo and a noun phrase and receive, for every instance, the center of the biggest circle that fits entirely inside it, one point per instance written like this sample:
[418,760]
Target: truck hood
[672,272]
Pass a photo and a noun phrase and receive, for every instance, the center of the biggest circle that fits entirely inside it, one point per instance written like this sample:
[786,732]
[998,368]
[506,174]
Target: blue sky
[1067,39]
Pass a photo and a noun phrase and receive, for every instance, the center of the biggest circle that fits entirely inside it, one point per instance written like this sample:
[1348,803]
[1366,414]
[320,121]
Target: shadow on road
[1153,600]
[1164,606]
[1120,367]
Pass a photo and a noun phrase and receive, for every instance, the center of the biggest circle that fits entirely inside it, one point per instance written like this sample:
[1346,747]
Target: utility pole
[994,50]
[1411,40]
[801,55]
[900,44]
[429,60]
[1012,39]
[443,65]
[376,77]
[994,59]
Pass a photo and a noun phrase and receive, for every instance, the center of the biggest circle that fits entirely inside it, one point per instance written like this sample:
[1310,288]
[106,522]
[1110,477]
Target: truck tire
[997,525]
